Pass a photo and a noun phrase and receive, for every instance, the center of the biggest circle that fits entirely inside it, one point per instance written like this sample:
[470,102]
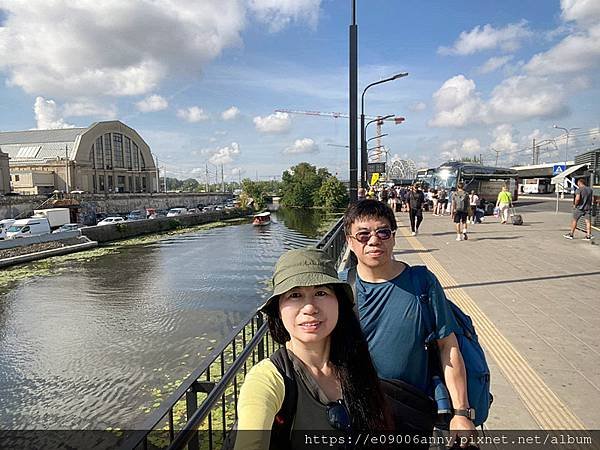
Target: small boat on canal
[261,219]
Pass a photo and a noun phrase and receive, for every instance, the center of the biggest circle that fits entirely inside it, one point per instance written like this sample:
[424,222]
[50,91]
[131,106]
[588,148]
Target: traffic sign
[558,169]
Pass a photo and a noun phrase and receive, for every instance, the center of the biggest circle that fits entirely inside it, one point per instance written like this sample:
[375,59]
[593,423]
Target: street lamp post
[567,131]
[363,143]
[353,97]
[364,163]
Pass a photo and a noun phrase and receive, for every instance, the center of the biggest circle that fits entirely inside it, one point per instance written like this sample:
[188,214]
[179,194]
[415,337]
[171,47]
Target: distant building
[106,157]
[4,173]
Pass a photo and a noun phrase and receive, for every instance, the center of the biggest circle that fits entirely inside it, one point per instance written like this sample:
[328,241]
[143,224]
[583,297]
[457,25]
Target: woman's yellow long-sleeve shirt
[261,397]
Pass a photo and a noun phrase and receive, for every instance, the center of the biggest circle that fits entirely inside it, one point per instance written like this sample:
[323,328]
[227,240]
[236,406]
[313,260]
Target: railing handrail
[186,433]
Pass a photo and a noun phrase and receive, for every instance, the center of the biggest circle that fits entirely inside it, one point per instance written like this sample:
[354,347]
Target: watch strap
[469,413]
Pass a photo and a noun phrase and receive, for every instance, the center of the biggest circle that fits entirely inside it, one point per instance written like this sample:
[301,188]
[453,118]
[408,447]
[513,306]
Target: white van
[4,224]
[33,226]
[173,212]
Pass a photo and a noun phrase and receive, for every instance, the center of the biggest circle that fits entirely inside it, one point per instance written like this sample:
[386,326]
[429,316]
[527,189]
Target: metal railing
[200,413]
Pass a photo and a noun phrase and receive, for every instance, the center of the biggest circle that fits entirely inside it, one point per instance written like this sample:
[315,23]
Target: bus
[536,186]
[486,181]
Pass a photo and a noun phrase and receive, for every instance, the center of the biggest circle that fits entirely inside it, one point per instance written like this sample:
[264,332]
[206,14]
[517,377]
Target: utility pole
[497,154]
[157,175]
[165,177]
[222,178]
[66,168]
[353,79]
[206,181]
[533,152]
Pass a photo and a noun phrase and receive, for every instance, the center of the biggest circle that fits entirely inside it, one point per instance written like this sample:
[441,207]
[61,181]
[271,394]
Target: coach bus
[486,181]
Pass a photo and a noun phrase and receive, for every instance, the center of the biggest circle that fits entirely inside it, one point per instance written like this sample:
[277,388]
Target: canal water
[98,342]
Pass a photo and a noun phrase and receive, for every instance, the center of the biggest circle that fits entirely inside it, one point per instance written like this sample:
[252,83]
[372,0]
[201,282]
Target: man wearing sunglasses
[390,312]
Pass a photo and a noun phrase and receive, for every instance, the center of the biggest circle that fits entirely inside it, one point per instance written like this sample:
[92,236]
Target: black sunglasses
[338,416]
[382,233]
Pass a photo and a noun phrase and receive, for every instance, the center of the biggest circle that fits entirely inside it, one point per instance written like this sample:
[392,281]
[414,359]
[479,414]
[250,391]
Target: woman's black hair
[349,355]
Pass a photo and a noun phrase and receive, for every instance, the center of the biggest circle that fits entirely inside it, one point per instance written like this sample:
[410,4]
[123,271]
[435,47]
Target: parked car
[4,225]
[193,211]
[136,215]
[67,227]
[33,226]
[174,212]
[111,220]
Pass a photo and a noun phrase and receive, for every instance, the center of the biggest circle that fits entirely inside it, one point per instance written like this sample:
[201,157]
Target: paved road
[534,297]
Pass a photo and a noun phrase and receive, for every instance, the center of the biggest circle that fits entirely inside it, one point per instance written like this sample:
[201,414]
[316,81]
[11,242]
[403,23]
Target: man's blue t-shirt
[393,322]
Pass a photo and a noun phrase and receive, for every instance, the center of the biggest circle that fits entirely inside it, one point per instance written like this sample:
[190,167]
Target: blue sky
[201,81]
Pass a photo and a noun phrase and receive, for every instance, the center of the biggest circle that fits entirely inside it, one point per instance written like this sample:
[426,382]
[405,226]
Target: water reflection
[85,346]
[309,222]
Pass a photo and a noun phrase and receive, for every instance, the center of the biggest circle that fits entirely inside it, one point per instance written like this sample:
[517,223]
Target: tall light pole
[497,154]
[364,158]
[353,79]
[567,131]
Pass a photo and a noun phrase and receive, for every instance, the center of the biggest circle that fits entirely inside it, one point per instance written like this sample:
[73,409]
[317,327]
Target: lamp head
[400,75]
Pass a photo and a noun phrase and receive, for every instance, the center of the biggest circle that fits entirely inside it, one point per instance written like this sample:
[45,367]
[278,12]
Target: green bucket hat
[305,267]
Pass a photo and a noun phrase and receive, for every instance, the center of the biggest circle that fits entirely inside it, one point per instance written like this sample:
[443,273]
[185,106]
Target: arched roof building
[102,158]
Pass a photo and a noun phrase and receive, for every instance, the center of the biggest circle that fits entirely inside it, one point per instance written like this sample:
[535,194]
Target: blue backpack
[478,372]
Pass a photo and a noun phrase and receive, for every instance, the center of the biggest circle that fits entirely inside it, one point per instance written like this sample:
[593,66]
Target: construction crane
[337,115]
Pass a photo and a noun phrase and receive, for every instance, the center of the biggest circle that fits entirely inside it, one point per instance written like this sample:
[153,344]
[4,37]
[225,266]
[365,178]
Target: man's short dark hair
[368,209]
[460,185]
[582,181]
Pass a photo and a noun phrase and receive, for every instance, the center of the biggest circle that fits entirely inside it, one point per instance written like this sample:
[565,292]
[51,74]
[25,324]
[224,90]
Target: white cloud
[302,146]
[274,123]
[417,107]
[457,103]
[152,103]
[192,114]
[230,113]
[581,11]
[508,39]
[576,52]
[279,13]
[47,115]
[237,171]
[456,150]
[225,155]
[503,138]
[87,107]
[494,63]
[523,97]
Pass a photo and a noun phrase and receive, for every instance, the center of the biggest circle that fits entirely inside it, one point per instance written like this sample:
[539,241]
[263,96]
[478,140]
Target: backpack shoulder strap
[351,280]
[419,276]
[284,419]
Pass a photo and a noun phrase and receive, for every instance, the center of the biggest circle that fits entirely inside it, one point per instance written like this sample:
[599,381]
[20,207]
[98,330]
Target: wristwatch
[469,413]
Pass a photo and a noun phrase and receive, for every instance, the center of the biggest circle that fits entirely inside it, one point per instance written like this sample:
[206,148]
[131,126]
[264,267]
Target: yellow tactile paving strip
[543,404]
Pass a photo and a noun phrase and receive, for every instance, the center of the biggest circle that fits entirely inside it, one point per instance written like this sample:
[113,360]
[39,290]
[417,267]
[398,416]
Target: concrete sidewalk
[535,299]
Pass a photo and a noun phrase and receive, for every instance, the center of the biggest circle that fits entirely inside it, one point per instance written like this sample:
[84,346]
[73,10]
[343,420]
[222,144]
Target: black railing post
[191,405]
[261,344]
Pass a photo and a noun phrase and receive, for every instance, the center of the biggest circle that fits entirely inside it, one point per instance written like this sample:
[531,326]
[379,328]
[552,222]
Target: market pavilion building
[106,157]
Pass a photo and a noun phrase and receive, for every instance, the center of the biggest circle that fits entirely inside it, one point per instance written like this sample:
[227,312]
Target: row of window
[105,183]
[114,150]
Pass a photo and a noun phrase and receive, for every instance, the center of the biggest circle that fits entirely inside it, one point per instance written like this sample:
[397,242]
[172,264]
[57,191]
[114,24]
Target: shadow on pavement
[523,280]
[406,252]
[497,238]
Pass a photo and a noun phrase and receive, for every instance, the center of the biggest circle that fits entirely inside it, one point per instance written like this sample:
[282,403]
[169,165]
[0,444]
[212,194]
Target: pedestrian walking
[388,306]
[434,200]
[442,201]
[416,199]
[361,194]
[504,203]
[473,203]
[582,207]
[336,387]
[460,207]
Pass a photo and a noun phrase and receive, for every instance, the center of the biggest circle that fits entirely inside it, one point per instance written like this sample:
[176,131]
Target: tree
[332,194]
[190,185]
[305,186]
[257,190]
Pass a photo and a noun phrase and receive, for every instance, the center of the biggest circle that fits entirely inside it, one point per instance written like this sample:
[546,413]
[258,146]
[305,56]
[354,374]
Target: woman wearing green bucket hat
[310,313]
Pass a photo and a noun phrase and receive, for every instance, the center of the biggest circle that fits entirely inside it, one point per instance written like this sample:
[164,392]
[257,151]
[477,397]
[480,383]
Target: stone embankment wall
[113,232]
[23,205]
